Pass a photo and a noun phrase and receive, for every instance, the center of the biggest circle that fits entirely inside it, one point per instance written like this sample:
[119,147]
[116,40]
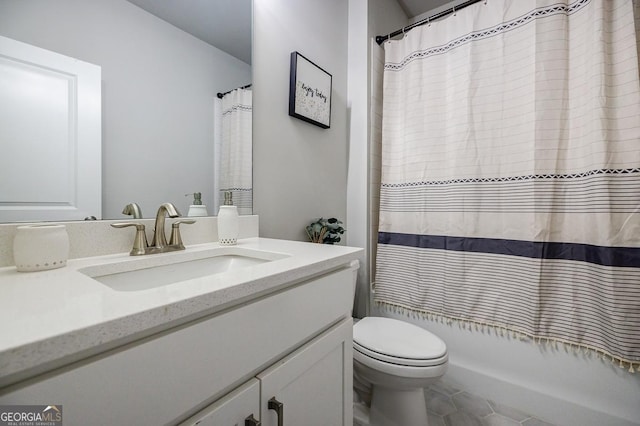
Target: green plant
[325,231]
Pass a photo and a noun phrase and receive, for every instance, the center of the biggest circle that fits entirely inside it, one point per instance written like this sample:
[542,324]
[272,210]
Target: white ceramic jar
[40,247]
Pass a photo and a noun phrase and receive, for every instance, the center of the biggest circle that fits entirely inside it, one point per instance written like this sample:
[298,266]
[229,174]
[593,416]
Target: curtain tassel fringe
[506,331]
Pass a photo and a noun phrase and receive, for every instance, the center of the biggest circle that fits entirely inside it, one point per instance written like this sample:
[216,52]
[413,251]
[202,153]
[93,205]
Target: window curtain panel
[235,167]
[510,195]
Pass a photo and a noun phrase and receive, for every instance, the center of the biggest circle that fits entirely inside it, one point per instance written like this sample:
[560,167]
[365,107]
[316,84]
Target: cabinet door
[234,409]
[313,385]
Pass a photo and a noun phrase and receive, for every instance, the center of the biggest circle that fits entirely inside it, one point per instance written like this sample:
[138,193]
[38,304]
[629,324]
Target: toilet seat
[395,342]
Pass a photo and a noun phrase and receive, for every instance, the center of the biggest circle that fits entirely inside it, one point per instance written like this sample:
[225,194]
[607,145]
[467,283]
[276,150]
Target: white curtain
[510,192]
[235,149]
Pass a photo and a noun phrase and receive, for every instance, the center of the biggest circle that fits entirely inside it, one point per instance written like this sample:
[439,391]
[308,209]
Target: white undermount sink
[151,271]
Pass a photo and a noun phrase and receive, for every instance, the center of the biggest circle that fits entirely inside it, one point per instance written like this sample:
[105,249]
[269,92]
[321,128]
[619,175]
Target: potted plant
[325,231]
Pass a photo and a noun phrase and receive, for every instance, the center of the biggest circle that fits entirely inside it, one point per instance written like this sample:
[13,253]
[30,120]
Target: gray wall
[158,90]
[300,170]
[367,18]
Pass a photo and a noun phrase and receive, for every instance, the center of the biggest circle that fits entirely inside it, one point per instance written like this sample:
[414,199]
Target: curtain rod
[221,95]
[382,39]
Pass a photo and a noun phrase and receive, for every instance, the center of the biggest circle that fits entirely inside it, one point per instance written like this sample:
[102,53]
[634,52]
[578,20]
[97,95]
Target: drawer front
[161,379]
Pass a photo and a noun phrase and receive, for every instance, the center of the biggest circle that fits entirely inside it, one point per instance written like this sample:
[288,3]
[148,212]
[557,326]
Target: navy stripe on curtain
[598,255]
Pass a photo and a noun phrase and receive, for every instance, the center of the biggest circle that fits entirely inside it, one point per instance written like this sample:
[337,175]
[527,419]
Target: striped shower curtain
[510,193]
[235,165]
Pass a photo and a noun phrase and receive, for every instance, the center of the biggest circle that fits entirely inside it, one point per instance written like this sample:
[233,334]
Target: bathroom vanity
[267,340]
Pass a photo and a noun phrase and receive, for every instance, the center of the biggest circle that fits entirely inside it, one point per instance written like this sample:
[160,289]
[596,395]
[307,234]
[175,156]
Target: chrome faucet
[159,237]
[159,242]
[133,209]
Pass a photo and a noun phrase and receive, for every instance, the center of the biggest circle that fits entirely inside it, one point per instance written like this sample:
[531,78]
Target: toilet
[392,362]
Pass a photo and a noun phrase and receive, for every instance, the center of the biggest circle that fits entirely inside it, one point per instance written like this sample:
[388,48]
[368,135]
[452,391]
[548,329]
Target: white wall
[358,101]
[300,170]
[436,10]
[159,85]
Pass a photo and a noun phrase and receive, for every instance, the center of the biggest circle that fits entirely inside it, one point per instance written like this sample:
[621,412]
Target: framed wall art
[309,92]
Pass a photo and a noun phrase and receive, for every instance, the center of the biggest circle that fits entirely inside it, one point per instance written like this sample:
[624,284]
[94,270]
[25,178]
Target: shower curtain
[510,195]
[235,150]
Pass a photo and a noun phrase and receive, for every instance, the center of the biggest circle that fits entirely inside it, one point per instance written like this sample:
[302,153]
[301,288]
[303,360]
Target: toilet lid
[391,340]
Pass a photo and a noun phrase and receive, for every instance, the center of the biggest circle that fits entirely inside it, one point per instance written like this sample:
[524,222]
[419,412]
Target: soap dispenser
[197,208]
[228,222]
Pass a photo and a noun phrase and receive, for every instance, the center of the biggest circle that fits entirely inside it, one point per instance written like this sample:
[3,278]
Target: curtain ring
[454,11]
[429,21]
[403,33]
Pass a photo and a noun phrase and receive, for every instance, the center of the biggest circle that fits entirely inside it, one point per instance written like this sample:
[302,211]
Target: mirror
[159,86]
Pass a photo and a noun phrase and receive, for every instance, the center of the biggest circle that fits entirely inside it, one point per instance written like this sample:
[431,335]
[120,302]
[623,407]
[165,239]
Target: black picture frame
[309,92]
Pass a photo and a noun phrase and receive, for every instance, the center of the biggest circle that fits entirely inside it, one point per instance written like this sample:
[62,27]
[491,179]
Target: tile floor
[447,406]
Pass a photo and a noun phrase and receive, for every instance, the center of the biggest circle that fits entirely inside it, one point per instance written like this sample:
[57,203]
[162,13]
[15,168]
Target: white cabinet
[240,408]
[310,387]
[313,385]
[297,341]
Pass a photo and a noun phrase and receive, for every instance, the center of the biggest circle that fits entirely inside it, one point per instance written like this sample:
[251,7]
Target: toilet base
[393,407]
[390,407]
[360,414]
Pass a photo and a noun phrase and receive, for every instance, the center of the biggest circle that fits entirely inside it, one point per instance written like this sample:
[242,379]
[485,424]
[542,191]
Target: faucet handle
[140,242]
[176,238]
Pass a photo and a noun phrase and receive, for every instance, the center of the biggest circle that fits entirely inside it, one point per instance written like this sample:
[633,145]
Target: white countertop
[51,318]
